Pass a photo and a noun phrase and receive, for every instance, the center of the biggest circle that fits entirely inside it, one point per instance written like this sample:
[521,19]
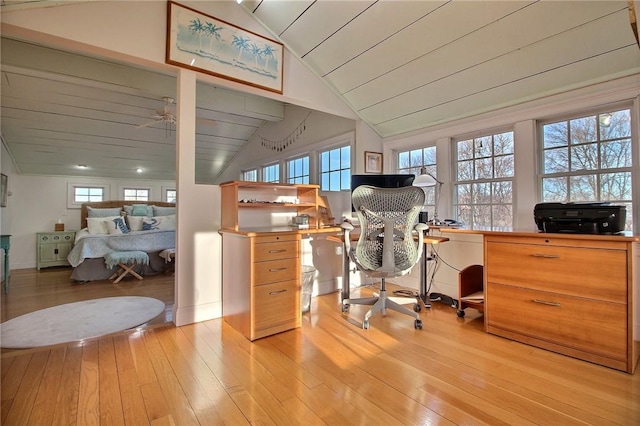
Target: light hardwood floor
[329,371]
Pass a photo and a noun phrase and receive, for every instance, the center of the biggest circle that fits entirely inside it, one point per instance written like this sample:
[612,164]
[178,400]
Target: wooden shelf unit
[240,196]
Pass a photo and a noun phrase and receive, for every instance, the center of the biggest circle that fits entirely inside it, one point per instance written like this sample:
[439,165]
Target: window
[250,175]
[87,194]
[136,194]
[298,170]
[411,162]
[271,173]
[588,159]
[170,195]
[484,182]
[335,169]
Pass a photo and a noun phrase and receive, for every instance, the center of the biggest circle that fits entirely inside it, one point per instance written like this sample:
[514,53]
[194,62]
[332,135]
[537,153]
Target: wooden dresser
[572,294]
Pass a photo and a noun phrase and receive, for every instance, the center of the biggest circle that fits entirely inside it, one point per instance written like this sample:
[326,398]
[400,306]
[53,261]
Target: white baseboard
[199,313]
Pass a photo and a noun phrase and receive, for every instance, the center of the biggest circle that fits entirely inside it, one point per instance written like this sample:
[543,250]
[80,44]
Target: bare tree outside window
[485,169]
[588,159]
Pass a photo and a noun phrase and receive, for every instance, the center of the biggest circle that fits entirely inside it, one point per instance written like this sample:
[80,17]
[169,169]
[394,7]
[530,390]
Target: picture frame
[372,162]
[4,189]
[203,43]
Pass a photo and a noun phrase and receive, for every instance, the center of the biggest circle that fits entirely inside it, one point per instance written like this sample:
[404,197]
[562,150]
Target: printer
[580,218]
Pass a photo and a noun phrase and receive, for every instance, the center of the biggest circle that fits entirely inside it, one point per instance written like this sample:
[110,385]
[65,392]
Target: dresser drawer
[584,324]
[277,250]
[57,237]
[584,272]
[275,271]
[276,307]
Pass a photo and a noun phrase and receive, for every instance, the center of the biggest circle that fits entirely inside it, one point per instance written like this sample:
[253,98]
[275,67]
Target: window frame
[267,167]
[246,173]
[342,171]
[493,182]
[127,188]
[415,167]
[598,171]
[71,187]
[302,178]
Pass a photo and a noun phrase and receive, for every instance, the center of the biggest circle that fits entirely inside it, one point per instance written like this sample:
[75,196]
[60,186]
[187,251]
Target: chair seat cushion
[116,257]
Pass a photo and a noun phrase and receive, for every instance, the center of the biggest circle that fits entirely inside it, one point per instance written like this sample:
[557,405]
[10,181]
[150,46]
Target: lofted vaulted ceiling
[401,65]
[405,65]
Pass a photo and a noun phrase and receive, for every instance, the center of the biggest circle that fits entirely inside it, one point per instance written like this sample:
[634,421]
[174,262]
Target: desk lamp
[426,179]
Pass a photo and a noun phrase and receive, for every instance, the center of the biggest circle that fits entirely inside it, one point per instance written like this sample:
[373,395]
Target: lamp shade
[424,179]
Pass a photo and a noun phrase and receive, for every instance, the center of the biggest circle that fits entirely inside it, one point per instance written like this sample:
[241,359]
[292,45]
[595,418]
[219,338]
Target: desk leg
[424,271]
[6,271]
[346,281]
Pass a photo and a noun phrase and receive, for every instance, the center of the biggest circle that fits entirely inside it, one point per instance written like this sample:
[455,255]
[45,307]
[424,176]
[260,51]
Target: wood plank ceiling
[401,65]
[405,65]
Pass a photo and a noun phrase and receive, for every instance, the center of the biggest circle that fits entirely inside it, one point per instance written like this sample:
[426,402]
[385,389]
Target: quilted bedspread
[97,245]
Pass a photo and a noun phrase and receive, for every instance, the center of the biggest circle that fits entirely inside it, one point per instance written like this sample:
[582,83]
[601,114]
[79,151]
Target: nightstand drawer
[595,273]
[583,324]
[56,237]
[278,250]
[275,271]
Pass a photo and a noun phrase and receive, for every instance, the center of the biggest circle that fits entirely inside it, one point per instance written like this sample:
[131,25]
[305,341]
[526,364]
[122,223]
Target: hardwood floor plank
[155,403]
[227,410]
[11,381]
[134,411]
[110,401]
[22,405]
[89,392]
[178,403]
[44,405]
[66,412]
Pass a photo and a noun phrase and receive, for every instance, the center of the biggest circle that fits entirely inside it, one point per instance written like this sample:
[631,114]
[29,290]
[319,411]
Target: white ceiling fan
[164,115]
[167,115]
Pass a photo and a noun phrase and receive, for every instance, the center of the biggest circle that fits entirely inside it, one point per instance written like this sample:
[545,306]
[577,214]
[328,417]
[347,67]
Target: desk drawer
[277,250]
[275,271]
[584,324]
[594,273]
[276,306]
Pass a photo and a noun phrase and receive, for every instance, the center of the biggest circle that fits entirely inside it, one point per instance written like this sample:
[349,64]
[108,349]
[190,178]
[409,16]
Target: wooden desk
[5,244]
[427,240]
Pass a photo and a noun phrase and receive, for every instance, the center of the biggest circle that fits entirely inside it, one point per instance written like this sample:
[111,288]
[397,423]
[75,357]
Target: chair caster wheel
[417,307]
[418,324]
[460,313]
[365,324]
[345,308]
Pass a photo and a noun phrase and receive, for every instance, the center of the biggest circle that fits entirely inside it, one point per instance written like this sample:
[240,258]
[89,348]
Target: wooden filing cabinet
[53,248]
[261,282]
[569,294]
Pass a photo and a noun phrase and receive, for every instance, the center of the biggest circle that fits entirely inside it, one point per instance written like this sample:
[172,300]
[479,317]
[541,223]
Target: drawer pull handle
[546,256]
[273,293]
[545,302]
[276,269]
[277,251]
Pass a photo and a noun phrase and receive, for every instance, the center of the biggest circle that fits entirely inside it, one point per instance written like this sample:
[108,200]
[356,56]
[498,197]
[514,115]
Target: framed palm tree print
[206,44]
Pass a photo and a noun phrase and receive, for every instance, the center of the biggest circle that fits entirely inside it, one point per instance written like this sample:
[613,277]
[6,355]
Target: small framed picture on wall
[3,190]
[372,162]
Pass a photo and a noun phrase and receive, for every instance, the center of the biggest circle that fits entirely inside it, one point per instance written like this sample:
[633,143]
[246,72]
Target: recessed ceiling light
[82,166]
[139,170]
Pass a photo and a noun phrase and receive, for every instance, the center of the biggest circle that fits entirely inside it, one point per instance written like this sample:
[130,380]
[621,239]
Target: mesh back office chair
[386,247]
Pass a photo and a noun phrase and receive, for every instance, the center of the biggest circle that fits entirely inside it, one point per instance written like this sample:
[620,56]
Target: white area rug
[78,320]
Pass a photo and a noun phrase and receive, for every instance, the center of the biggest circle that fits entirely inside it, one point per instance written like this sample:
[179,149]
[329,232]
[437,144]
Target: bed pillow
[99,225]
[94,212]
[141,210]
[165,223]
[163,211]
[135,222]
[118,226]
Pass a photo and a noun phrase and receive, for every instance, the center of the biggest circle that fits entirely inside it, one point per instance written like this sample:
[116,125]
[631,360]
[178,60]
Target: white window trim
[71,204]
[136,187]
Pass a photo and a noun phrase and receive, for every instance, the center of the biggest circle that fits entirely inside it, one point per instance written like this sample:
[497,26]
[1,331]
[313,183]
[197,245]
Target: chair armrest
[346,229]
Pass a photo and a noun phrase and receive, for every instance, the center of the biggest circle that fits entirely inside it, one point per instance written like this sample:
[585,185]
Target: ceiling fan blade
[148,124]
[206,121]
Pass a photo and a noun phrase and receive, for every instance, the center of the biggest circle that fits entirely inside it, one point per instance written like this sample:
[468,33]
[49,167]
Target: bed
[119,225]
